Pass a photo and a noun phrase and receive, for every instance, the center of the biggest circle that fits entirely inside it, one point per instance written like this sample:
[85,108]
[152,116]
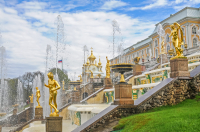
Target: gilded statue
[107,68]
[38,97]
[177,39]
[99,75]
[31,98]
[53,87]
[63,85]
[163,46]
[136,60]
[91,74]
[80,78]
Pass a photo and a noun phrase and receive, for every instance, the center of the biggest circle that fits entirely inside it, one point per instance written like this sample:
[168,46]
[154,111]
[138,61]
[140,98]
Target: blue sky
[28,26]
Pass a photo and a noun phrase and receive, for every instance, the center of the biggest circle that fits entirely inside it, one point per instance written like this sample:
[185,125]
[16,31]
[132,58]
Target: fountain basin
[122,68]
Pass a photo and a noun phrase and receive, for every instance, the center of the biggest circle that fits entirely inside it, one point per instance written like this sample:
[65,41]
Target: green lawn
[184,117]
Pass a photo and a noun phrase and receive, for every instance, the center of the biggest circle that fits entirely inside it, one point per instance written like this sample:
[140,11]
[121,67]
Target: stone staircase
[171,91]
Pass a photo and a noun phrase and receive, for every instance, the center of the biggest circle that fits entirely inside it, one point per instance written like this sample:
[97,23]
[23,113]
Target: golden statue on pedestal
[80,78]
[107,68]
[63,85]
[53,87]
[136,60]
[38,97]
[177,40]
[91,74]
[31,98]
[163,46]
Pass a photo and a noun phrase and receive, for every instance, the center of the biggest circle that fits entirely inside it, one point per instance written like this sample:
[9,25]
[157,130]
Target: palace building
[149,49]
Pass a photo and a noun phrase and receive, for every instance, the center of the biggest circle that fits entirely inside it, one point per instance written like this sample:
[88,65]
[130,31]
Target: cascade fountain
[5,97]
[46,108]
[20,95]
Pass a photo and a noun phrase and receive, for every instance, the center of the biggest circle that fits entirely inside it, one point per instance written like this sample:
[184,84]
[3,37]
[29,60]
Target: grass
[183,117]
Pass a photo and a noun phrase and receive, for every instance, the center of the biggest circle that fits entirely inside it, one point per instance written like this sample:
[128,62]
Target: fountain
[123,90]
[122,68]
[20,95]
[46,108]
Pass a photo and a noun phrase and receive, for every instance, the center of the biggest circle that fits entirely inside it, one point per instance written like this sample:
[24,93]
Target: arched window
[168,48]
[194,42]
[133,56]
[183,31]
[156,43]
[167,38]
[194,30]
[156,53]
[142,52]
[137,54]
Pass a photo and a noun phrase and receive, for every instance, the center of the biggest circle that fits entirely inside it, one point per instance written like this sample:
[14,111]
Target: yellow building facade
[150,48]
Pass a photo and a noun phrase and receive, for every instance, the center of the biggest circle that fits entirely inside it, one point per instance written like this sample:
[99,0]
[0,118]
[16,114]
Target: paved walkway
[7,129]
[36,126]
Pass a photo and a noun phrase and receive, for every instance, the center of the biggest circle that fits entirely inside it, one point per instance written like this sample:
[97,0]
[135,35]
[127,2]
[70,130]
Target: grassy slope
[184,117]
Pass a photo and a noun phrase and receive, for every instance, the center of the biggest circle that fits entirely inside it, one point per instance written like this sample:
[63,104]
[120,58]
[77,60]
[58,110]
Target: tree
[12,84]
[28,81]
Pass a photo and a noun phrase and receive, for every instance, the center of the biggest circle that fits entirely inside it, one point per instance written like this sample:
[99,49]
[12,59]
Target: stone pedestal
[108,83]
[31,105]
[123,94]
[54,124]
[38,113]
[137,69]
[15,111]
[163,57]
[179,68]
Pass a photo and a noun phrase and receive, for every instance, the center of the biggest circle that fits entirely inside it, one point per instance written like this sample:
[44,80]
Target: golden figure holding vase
[53,87]
[177,40]
[163,46]
[107,68]
[31,98]
[38,97]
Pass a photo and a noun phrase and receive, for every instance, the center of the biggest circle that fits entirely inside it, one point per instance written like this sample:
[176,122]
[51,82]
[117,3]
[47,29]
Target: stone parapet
[137,69]
[54,124]
[164,58]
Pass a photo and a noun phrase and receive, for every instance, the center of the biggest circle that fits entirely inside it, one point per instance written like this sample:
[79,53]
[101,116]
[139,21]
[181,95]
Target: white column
[188,35]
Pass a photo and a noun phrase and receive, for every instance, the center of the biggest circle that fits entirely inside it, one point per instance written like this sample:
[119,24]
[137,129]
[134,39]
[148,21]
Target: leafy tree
[12,84]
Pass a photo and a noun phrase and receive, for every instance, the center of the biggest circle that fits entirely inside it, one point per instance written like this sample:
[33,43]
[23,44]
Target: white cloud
[9,10]
[158,3]
[2,1]
[177,4]
[26,43]
[32,5]
[155,4]
[180,4]
[109,5]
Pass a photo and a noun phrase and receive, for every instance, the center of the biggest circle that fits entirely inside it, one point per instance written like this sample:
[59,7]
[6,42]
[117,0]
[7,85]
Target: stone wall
[96,99]
[19,118]
[172,94]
